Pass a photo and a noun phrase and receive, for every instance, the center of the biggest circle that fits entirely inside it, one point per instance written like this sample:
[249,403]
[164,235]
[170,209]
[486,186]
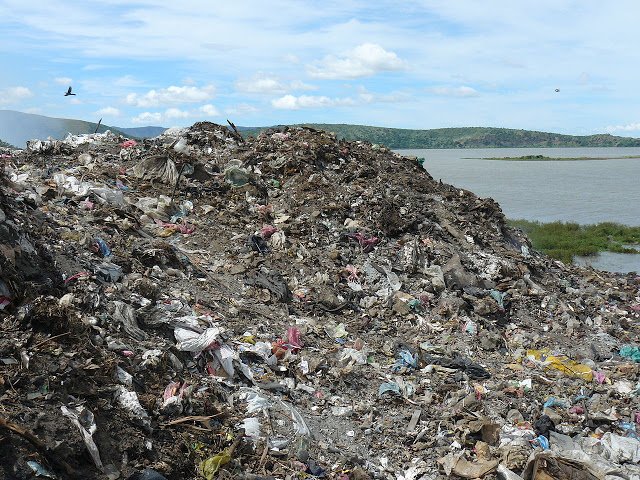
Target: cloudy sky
[407,64]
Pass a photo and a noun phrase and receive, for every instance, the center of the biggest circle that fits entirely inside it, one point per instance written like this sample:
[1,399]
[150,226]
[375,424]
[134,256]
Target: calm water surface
[582,191]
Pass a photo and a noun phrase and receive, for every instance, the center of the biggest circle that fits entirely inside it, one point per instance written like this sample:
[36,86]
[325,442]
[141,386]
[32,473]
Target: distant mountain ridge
[462,137]
[17,128]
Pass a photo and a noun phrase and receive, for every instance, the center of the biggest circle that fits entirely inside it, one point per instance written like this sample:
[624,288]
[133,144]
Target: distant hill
[142,132]
[5,144]
[463,137]
[18,127]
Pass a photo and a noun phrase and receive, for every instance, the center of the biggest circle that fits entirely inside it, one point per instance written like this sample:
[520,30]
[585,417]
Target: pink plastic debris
[352,270]
[265,209]
[599,377]
[367,243]
[293,339]
[129,144]
[87,204]
[128,353]
[577,410]
[184,228]
[4,301]
[171,390]
[637,417]
[267,231]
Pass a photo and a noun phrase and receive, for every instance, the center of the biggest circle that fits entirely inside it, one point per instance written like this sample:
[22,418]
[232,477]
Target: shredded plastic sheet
[83,419]
[190,341]
[129,401]
[126,315]
[251,427]
[157,167]
[255,401]
[299,425]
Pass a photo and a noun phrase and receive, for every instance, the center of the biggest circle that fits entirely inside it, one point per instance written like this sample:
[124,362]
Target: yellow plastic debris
[561,363]
[210,466]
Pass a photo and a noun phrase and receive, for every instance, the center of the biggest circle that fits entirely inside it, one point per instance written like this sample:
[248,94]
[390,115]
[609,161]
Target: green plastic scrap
[39,470]
[236,176]
[630,352]
[498,297]
[210,466]
[389,387]
[415,304]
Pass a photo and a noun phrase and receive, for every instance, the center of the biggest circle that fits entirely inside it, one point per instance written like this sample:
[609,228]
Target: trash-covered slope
[203,306]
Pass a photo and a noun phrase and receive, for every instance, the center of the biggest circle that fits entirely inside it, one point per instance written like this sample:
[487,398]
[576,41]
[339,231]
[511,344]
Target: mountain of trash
[200,306]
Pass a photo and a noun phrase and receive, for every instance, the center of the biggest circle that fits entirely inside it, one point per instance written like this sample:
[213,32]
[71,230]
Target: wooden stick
[49,339]
[39,444]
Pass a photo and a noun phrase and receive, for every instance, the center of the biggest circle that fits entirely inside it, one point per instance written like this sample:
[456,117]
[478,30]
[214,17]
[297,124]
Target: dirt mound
[199,305]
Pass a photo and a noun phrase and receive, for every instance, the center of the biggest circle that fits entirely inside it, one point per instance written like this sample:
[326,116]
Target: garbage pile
[199,305]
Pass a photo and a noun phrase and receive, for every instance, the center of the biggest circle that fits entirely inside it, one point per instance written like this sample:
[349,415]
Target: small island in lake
[542,158]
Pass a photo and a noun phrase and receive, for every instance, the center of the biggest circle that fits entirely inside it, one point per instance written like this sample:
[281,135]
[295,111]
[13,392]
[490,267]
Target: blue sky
[410,64]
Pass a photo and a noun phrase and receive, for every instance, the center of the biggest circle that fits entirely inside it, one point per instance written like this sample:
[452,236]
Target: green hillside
[5,144]
[465,137]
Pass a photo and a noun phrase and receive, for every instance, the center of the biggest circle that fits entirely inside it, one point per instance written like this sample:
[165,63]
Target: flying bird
[69,92]
[557,90]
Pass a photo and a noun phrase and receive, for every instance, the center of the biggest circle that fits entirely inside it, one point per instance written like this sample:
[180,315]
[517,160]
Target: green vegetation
[542,158]
[465,137]
[565,240]
[5,145]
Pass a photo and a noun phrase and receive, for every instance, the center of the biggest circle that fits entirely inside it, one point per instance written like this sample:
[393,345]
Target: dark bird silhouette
[557,90]
[69,92]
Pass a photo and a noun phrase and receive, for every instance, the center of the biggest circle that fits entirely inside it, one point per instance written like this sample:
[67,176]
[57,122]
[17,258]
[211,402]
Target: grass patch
[565,240]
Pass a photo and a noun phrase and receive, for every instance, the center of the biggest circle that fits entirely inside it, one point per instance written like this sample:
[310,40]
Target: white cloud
[241,109]
[63,80]
[462,91]
[128,81]
[291,102]
[630,127]
[172,95]
[363,61]
[95,66]
[148,117]
[209,110]
[109,112]
[270,85]
[14,95]
[171,114]
[298,85]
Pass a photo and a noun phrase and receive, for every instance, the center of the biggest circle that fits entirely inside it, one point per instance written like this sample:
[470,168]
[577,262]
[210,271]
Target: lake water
[582,191]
